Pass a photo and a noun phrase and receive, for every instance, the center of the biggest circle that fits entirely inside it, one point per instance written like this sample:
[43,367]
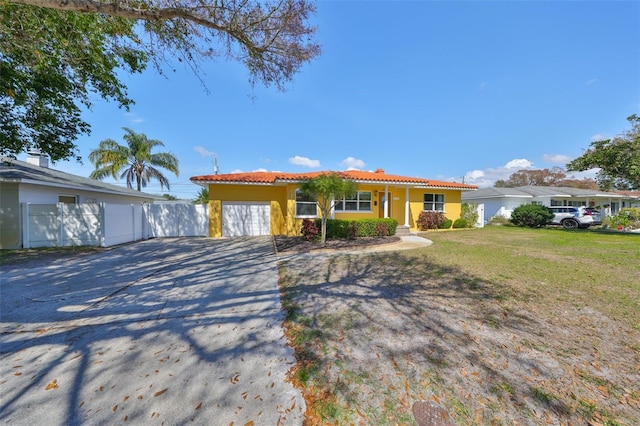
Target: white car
[575,217]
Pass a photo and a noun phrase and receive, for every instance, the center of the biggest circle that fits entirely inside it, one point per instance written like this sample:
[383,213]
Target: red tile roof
[360,176]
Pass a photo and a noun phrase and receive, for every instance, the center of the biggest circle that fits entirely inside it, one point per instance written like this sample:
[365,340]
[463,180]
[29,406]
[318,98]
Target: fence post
[61,219]
[103,226]
[133,222]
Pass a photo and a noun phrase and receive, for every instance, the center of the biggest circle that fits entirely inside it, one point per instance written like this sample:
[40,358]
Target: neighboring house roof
[22,172]
[539,191]
[629,194]
[359,176]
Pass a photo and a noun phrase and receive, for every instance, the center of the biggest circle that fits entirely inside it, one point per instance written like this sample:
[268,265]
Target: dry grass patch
[501,326]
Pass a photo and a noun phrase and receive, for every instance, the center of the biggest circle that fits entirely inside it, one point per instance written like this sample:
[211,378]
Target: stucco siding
[9,216]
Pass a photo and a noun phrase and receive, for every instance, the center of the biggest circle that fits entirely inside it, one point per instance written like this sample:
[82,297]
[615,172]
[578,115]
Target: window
[433,202]
[67,199]
[305,205]
[360,202]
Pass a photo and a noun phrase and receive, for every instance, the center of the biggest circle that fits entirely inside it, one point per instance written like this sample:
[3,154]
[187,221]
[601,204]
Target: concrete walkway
[164,331]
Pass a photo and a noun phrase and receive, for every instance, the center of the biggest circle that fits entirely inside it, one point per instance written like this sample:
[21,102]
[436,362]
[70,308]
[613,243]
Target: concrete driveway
[164,331]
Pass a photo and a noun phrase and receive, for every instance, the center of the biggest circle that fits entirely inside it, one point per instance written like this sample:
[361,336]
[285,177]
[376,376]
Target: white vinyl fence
[57,225]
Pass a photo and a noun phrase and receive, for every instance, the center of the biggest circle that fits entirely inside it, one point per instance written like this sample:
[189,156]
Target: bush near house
[626,218]
[446,224]
[338,228]
[531,215]
[430,220]
[310,230]
[460,223]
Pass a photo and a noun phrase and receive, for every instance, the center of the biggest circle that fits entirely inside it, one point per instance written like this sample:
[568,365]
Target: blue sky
[433,89]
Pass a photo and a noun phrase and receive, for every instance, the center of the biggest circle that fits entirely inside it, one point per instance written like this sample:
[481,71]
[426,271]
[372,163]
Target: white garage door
[247,218]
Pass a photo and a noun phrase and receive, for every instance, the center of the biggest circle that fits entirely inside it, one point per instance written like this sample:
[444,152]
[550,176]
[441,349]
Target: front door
[381,199]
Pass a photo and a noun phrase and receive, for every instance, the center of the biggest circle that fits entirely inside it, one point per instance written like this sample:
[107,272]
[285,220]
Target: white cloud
[352,163]
[242,171]
[592,81]
[487,177]
[483,85]
[556,159]
[598,137]
[518,163]
[304,161]
[203,151]
[133,118]
[475,174]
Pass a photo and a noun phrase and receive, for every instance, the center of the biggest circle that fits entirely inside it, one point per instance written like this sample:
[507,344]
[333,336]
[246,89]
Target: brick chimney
[380,171]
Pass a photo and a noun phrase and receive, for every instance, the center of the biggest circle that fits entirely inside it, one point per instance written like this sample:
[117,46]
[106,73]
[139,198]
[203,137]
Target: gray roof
[19,171]
[538,191]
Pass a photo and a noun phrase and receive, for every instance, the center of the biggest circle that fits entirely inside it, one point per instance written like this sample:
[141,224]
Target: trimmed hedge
[446,224]
[339,228]
[460,223]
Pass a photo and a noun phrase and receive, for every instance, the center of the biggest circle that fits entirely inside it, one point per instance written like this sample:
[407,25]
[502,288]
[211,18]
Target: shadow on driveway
[161,331]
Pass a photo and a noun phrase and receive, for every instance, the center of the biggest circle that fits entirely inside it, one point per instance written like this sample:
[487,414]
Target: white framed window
[433,202]
[359,202]
[305,205]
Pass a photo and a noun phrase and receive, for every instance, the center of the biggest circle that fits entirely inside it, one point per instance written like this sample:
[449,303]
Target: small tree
[469,213]
[326,189]
[531,215]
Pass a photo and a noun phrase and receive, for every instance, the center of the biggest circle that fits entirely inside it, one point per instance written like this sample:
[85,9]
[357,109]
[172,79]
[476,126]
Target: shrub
[446,224]
[469,213]
[382,230]
[373,227]
[430,220]
[531,215]
[352,232]
[309,230]
[392,225]
[460,223]
[336,228]
[626,218]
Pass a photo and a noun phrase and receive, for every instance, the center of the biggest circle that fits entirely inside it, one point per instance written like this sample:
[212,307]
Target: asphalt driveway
[164,331]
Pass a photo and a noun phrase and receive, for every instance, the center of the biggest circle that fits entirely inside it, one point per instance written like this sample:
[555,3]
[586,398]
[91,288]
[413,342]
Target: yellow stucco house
[269,203]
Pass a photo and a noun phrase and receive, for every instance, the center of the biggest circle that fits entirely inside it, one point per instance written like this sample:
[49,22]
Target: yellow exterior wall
[452,206]
[283,204]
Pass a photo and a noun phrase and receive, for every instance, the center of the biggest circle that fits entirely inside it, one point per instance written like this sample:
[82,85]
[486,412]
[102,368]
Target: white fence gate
[57,225]
[177,220]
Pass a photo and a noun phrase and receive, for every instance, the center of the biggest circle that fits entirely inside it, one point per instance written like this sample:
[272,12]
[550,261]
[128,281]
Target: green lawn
[582,267]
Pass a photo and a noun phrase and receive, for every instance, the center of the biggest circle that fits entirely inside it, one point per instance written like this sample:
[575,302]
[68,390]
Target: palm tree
[136,159]
[202,197]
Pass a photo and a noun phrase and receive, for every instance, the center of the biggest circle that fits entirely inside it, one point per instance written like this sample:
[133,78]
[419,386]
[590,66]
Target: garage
[245,219]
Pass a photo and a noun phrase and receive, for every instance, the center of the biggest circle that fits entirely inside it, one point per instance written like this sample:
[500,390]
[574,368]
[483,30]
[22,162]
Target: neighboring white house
[502,201]
[35,183]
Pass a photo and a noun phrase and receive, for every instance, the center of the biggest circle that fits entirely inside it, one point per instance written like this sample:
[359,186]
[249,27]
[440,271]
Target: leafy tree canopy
[327,189]
[135,162]
[618,159]
[545,177]
[55,55]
